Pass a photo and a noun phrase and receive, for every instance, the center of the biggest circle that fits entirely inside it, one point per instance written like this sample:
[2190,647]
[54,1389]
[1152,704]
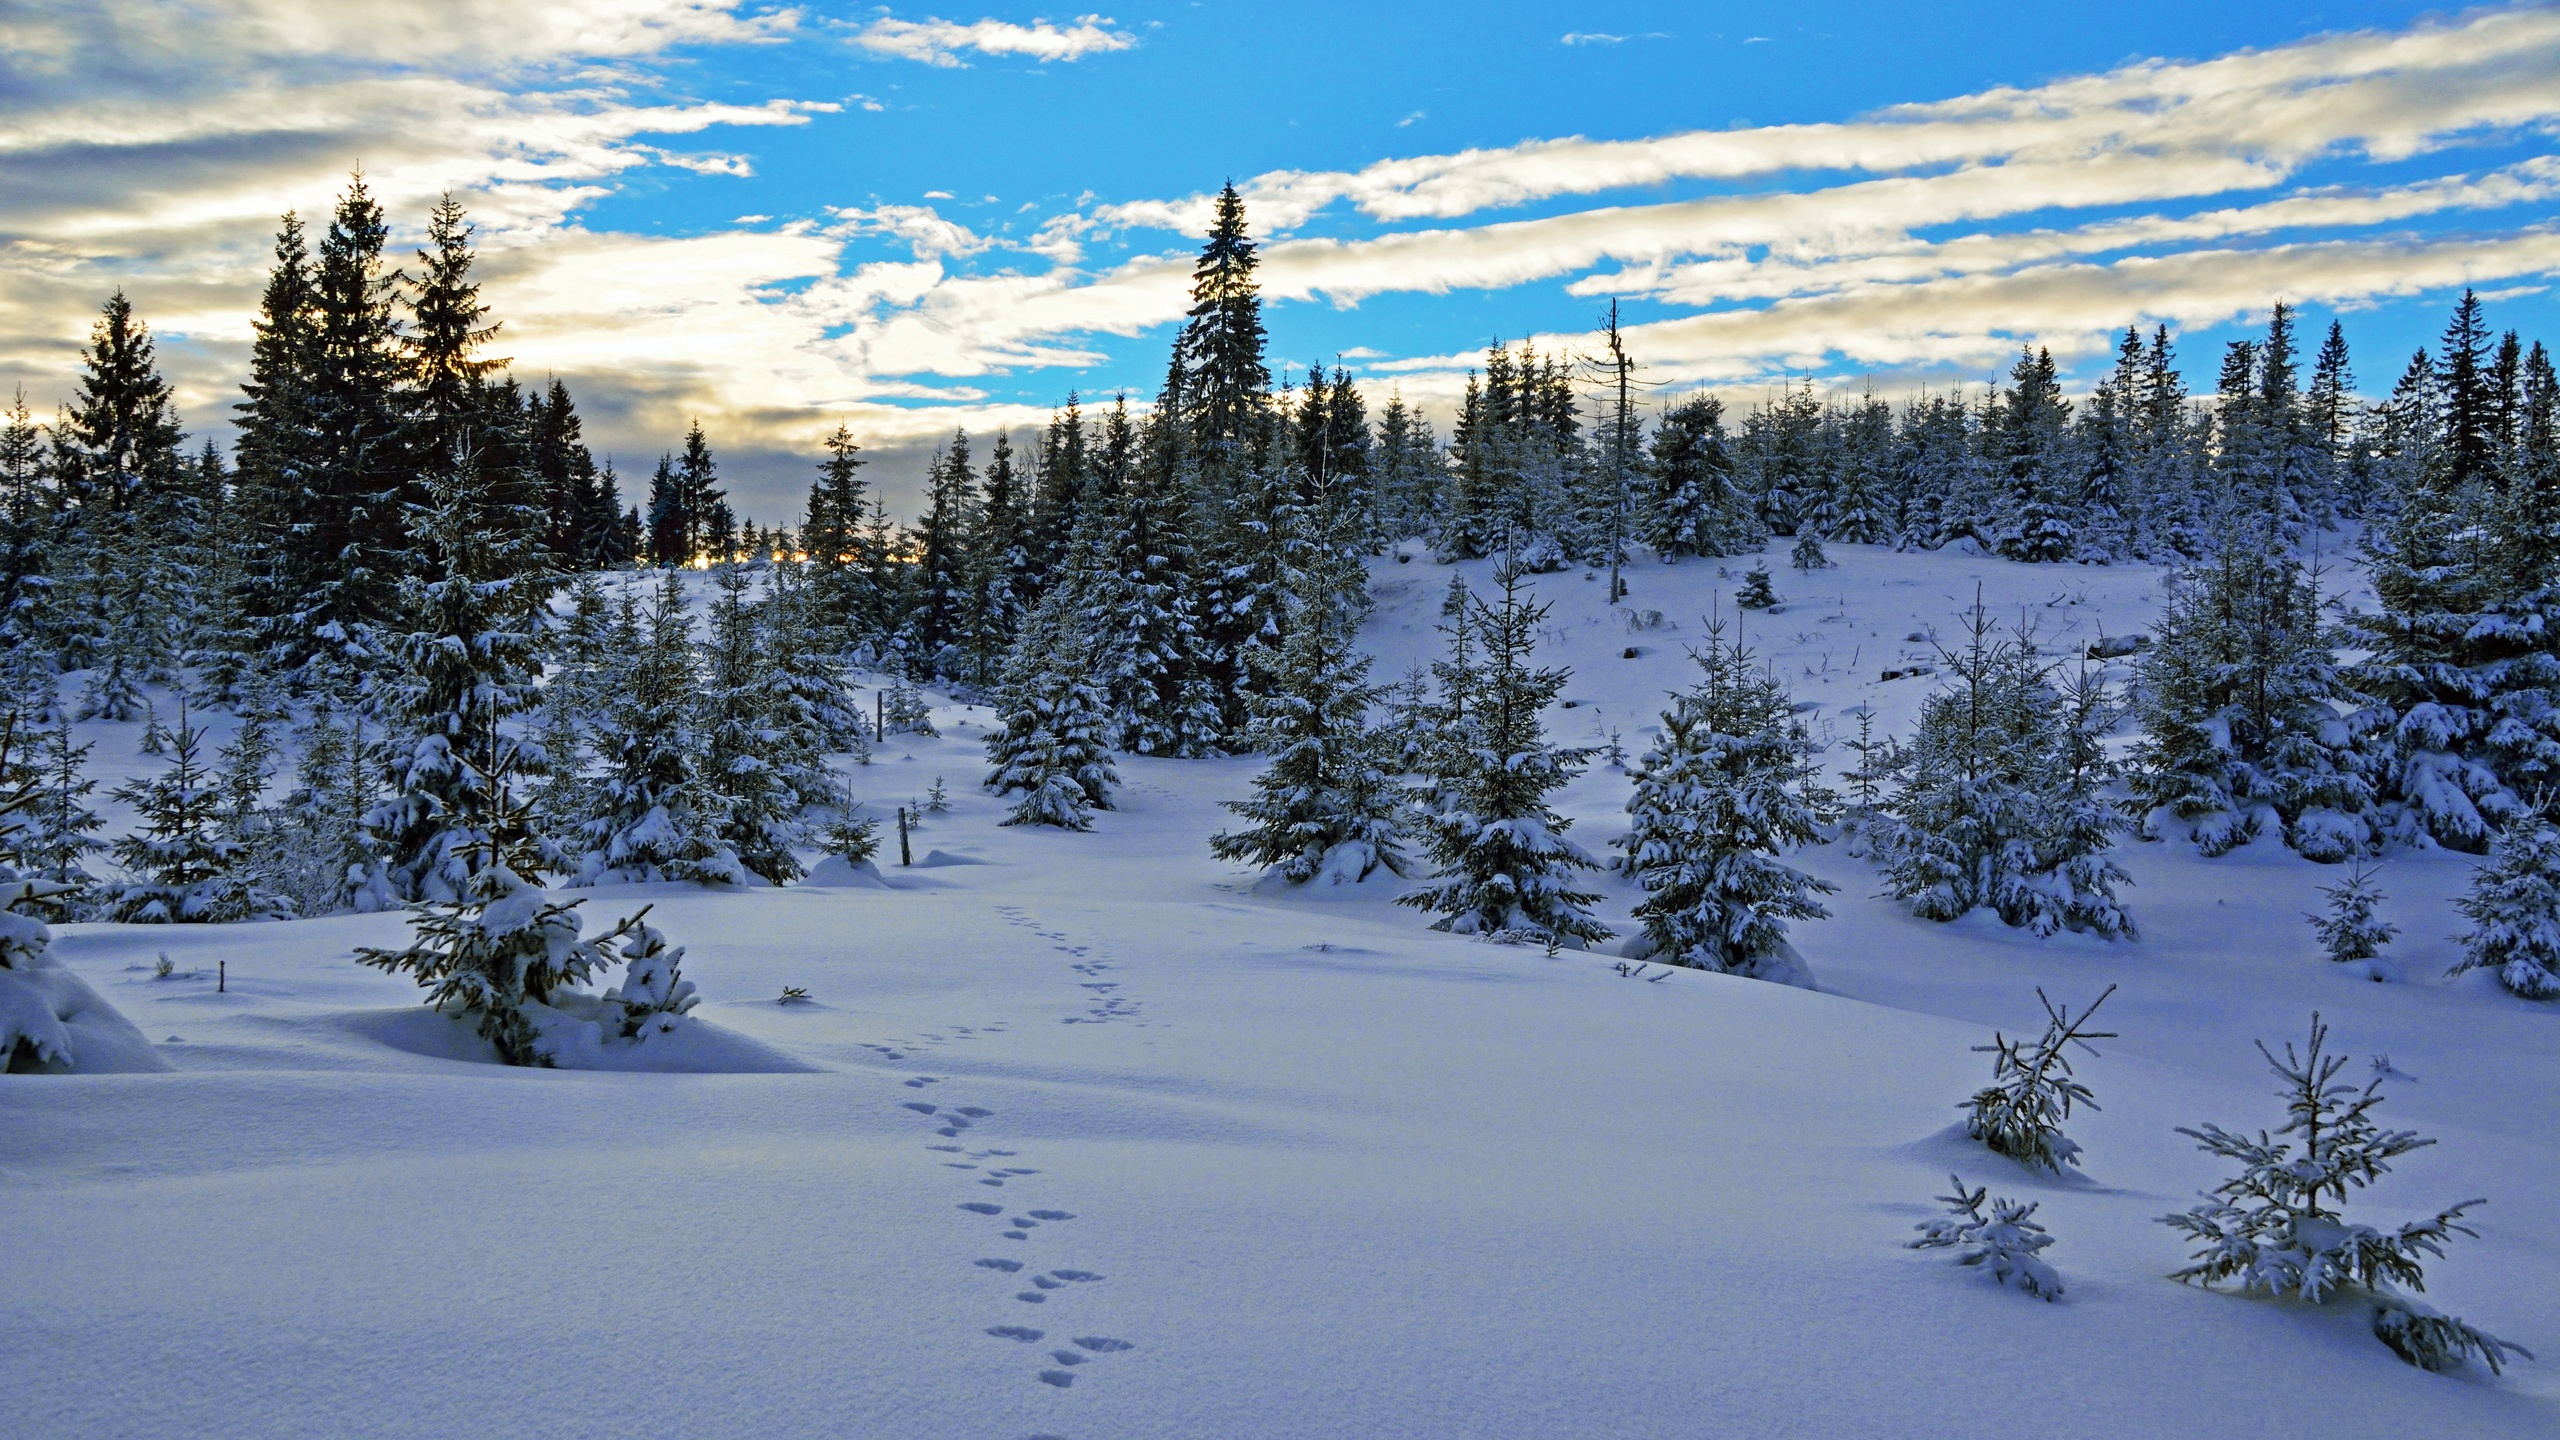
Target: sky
[773,218]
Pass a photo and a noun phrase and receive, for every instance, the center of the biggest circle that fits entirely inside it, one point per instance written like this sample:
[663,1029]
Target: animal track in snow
[1068,1357]
[1007,1266]
[1033,1297]
[1060,1378]
[1103,1344]
[983,1208]
[1051,1215]
[1023,1333]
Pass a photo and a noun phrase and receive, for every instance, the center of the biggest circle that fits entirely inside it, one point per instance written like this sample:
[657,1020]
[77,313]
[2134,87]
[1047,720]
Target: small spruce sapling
[1755,593]
[2007,1243]
[2351,931]
[654,996]
[1808,554]
[2020,1113]
[2514,910]
[937,798]
[2278,1225]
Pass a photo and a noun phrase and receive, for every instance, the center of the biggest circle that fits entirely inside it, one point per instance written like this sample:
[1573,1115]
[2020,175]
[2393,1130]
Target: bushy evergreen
[2020,1113]
[1323,804]
[1998,808]
[747,753]
[1501,862]
[184,866]
[2248,721]
[653,816]
[1728,788]
[1052,750]
[2353,930]
[2514,910]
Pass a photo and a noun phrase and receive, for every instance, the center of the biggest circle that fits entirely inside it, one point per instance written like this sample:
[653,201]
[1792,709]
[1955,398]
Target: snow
[1283,1161]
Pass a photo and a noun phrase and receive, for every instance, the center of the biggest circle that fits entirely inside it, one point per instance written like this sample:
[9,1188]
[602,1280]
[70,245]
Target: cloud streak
[945,42]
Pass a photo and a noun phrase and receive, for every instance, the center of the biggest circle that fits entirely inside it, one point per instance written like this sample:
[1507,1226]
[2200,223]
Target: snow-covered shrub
[496,953]
[2000,805]
[1755,593]
[654,996]
[2279,1227]
[2020,1113]
[1807,554]
[49,1018]
[1727,789]
[2351,931]
[2007,1243]
[2514,910]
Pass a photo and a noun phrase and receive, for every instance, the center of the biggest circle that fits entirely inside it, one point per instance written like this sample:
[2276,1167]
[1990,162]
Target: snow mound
[1337,877]
[933,858]
[835,870]
[52,1023]
[577,1035]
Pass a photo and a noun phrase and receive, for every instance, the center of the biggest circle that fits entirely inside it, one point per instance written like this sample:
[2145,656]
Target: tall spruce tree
[1994,812]
[744,747]
[2241,699]
[1728,788]
[653,816]
[1502,863]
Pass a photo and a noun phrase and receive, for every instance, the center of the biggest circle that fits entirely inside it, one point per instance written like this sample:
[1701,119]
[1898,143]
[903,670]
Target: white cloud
[943,42]
[1592,37]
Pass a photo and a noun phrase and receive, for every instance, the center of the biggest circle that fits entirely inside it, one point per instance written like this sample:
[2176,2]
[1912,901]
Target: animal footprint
[1060,1378]
[1067,1357]
[981,1207]
[1007,1266]
[920,1107]
[1080,1276]
[1051,1215]
[1032,1297]
[1103,1344]
[1023,1333]
[974,1112]
[1044,1282]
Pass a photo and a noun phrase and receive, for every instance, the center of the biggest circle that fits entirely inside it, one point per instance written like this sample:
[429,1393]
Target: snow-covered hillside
[1089,1135]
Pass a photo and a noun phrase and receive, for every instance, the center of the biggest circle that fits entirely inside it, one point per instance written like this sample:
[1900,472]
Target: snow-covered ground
[1089,1135]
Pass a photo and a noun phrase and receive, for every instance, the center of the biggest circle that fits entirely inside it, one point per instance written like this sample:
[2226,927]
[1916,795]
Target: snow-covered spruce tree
[1323,805]
[324,860]
[1052,749]
[2007,1243]
[499,953]
[811,706]
[653,817]
[183,866]
[905,711]
[32,1034]
[57,828]
[2514,910]
[2352,931]
[2465,642]
[1755,593]
[1994,811]
[1728,788]
[2020,1113]
[2239,701]
[1690,505]
[654,997]
[464,660]
[745,751]
[2279,1225]
[1807,554]
[1501,862]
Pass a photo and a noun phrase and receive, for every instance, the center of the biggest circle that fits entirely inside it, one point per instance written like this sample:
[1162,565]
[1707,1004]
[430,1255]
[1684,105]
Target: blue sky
[774,218]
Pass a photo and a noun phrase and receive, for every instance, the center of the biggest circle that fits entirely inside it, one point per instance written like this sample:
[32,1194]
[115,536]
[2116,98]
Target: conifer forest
[1292,900]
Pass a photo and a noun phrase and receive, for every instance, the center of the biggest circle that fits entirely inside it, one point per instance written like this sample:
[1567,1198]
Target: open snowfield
[1091,1136]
